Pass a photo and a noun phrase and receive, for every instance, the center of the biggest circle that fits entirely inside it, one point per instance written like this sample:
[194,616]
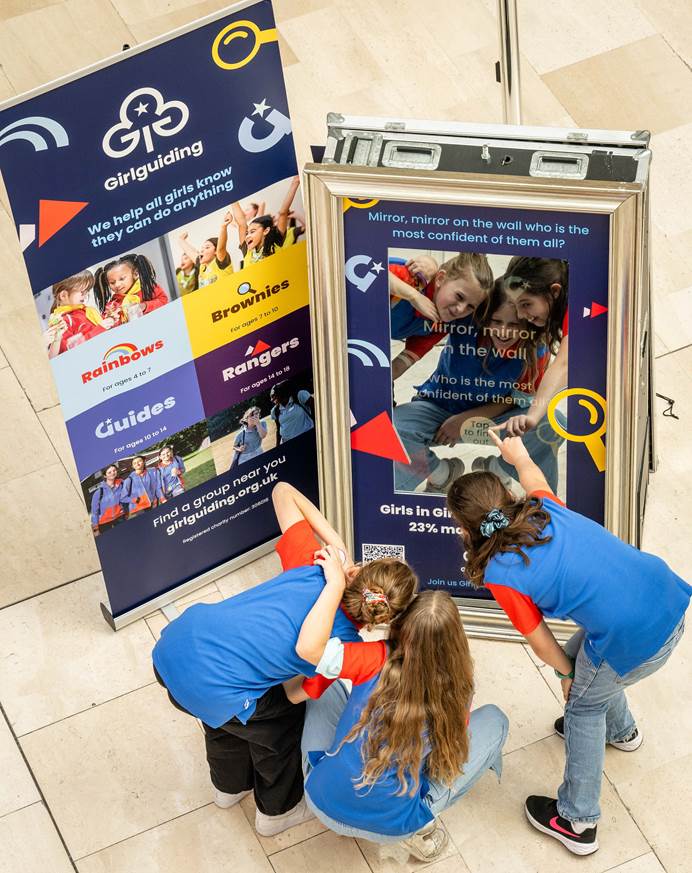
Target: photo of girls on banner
[447,341]
[162,225]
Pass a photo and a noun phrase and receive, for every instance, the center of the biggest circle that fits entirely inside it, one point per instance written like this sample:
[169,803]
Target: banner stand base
[163,600]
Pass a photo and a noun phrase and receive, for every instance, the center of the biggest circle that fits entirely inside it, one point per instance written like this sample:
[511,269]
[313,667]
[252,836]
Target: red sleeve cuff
[421,345]
[520,609]
[297,546]
[549,495]
[362,661]
[315,686]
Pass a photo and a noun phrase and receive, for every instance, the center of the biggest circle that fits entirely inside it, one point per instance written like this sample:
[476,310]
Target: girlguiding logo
[152,115]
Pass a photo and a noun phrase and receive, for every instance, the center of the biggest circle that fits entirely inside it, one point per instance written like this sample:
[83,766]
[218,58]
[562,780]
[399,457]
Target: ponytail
[147,274]
[273,239]
[380,592]
[494,521]
[102,291]
[138,263]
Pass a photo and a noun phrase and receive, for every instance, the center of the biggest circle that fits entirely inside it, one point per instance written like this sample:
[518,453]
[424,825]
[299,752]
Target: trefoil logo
[152,115]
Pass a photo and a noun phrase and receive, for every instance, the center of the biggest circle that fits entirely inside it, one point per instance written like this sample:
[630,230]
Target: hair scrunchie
[374,597]
[495,520]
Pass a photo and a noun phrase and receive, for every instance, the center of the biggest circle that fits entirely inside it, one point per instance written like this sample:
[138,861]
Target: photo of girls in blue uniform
[234,664]
[109,504]
[143,487]
[171,468]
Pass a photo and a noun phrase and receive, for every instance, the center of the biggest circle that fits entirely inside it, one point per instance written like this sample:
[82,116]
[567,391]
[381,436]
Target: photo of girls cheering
[484,345]
[242,233]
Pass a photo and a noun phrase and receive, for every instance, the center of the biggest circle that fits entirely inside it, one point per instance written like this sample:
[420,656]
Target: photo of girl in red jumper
[72,321]
[126,288]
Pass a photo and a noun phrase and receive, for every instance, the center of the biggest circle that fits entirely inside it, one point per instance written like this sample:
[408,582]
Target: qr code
[375,551]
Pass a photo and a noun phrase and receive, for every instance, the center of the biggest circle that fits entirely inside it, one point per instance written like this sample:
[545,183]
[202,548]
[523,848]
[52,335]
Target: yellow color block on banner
[241,302]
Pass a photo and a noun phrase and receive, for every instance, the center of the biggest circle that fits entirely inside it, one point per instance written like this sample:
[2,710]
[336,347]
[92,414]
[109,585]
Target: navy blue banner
[137,149]
[394,512]
[152,197]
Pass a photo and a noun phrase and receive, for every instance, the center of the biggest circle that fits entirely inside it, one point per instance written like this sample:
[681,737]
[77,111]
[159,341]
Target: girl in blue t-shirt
[384,762]
[539,558]
[143,487]
[293,411]
[248,441]
[487,369]
[171,468]
[224,663]
[109,501]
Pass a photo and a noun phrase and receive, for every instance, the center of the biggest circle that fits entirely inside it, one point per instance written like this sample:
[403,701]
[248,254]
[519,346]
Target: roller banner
[158,208]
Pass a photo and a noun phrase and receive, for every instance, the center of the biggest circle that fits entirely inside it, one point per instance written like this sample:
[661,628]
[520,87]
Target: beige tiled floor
[99,773]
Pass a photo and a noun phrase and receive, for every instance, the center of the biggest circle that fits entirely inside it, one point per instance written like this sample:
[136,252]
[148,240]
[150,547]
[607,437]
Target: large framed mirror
[445,304]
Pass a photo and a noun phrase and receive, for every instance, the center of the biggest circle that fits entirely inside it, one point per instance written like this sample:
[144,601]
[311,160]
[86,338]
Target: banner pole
[509,61]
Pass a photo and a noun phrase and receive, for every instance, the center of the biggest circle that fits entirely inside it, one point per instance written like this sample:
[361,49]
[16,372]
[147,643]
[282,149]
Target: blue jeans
[417,423]
[488,728]
[597,713]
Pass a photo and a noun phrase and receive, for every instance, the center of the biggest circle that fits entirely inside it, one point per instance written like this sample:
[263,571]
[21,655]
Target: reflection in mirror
[478,341]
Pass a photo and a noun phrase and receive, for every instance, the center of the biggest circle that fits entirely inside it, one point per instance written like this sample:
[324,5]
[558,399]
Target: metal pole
[509,61]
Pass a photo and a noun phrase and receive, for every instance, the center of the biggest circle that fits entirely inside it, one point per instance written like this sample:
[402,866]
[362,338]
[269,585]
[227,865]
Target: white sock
[580,826]
[440,474]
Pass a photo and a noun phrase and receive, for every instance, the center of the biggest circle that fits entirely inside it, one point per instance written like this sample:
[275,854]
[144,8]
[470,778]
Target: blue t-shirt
[470,374]
[170,481]
[378,808]
[627,601]
[218,659]
[294,419]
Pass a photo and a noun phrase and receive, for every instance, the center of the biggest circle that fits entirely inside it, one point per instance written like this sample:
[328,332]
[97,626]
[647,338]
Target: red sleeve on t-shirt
[297,546]
[421,345]
[402,272]
[549,495]
[565,324]
[520,609]
[361,662]
[315,686]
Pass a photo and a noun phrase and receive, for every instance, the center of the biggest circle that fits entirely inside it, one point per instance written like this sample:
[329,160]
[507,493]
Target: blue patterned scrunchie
[494,520]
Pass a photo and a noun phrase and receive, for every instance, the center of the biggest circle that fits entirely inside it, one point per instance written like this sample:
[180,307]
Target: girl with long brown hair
[539,558]
[384,762]
[539,288]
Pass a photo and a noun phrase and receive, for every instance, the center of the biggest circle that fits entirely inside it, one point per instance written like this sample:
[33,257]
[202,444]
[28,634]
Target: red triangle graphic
[260,346]
[53,215]
[378,437]
[597,309]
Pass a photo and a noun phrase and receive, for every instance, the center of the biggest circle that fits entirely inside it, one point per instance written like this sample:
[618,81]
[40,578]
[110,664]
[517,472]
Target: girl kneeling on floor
[540,558]
[384,762]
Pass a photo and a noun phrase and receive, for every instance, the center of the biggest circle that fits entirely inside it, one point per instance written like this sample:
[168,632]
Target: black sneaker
[629,744]
[543,815]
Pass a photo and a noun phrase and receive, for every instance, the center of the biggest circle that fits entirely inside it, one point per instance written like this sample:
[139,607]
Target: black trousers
[263,755]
